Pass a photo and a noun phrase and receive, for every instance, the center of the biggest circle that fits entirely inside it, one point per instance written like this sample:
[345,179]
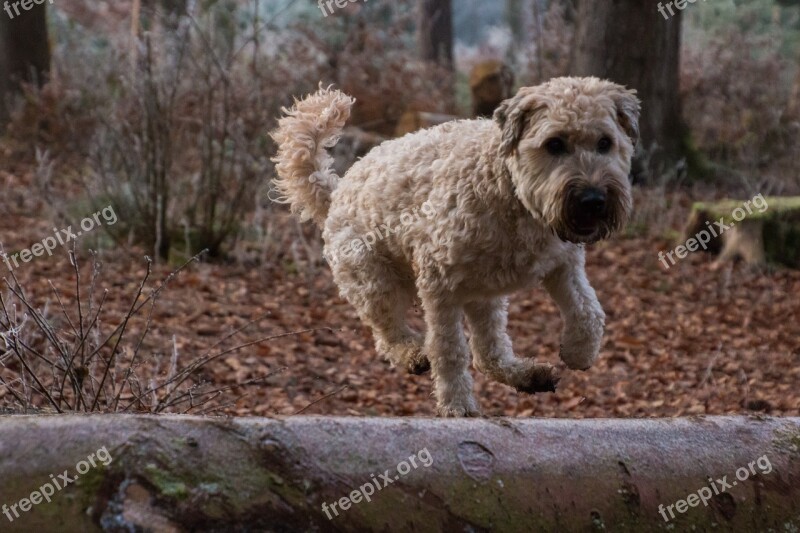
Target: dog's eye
[555,146]
[604,145]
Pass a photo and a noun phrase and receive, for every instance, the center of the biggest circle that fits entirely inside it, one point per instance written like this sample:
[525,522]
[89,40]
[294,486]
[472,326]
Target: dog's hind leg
[492,352]
[381,300]
[385,313]
[446,346]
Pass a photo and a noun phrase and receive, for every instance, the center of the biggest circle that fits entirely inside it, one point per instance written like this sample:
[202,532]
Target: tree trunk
[631,43]
[435,31]
[4,81]
[516,20]
[173,473]
[24,52]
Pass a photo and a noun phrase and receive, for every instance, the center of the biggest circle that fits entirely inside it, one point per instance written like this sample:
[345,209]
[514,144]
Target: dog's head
[568,145]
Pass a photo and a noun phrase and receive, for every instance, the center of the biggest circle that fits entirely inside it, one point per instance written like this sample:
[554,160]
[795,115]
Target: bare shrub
[74,356]
[180,153]
[169,128]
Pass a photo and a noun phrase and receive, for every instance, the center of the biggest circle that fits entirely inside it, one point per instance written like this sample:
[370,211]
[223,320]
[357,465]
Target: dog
[510,202]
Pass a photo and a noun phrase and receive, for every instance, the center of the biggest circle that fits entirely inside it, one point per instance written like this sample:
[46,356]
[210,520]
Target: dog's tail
[306,177]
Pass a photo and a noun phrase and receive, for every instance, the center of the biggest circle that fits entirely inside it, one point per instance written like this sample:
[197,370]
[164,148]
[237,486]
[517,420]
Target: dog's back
[430,165]
[404,189]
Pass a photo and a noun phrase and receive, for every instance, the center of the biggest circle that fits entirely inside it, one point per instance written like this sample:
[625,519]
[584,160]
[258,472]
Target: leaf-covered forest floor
[700,338]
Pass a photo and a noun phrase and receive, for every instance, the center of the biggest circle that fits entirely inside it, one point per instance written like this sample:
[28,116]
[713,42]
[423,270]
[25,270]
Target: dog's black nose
[592,201]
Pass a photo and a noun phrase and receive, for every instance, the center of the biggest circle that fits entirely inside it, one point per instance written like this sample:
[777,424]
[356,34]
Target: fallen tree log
[172,473]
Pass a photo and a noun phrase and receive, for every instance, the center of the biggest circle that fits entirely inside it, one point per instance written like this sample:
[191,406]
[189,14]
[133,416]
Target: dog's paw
[407,355]
[581,341]
[458,410]
[419,366]
[540,378]
[577,357]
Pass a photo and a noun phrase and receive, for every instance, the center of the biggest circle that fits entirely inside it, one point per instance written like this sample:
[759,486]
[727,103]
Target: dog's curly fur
[508,199]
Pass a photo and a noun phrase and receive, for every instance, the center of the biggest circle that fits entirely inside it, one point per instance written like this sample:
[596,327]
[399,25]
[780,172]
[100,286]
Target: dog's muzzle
[587,218]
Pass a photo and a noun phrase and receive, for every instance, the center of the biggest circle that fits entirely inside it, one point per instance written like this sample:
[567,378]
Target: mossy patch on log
[165,483]
[775,206]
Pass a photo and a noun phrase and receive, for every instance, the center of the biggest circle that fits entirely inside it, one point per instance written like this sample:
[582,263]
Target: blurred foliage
[199,109]
[740,88]
[757,18]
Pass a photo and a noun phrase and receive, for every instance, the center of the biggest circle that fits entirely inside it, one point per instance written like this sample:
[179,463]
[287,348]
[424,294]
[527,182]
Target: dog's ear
[628,109]
[511,116]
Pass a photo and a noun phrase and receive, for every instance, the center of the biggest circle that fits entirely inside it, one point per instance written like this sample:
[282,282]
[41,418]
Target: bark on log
[173,473]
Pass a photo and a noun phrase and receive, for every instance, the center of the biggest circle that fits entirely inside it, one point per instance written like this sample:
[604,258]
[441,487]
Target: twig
[226,388]
[184,374]
[124,325]
[321,399]
[154,294]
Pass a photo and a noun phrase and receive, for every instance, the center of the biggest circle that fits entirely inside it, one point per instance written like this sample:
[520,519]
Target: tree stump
[761,232]
[490,82]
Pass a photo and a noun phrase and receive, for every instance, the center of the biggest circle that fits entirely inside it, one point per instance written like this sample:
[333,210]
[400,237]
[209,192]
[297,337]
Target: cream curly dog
[509,203]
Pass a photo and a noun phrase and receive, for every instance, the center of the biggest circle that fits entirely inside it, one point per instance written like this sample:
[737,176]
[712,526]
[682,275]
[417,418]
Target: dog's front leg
[583,316]
[447,350]
[492,352]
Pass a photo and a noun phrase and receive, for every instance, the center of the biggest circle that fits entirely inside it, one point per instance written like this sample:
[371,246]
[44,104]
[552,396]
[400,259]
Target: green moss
[782,241]
[463,94]
[91,482]
[699,167]
[777,206]
[296,496]
[165,484]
